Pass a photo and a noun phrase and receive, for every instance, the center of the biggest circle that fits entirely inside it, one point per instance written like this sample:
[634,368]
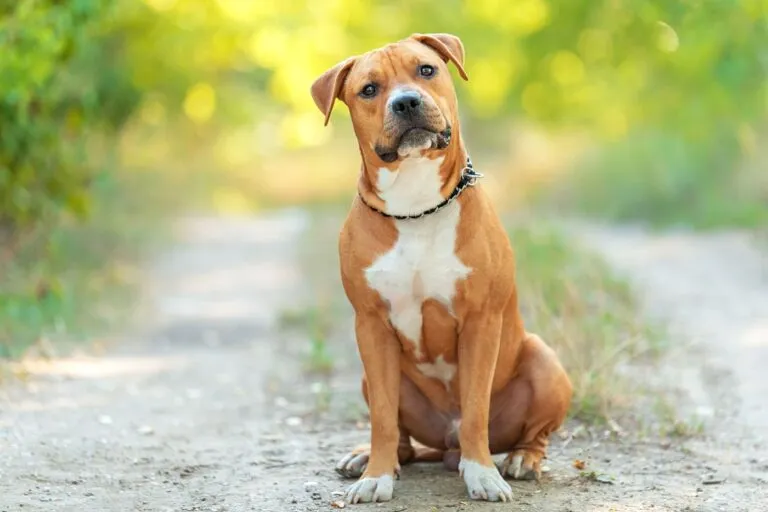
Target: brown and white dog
[448,363]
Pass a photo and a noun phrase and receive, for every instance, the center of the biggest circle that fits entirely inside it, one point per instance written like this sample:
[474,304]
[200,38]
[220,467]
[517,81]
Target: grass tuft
[586,313]
[670,424]
[315,322]
[319,359]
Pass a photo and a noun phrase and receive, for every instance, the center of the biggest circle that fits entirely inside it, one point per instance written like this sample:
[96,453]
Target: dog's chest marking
[422,264]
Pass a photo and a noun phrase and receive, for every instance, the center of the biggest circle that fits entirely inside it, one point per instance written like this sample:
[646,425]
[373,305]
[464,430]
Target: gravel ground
[208,406]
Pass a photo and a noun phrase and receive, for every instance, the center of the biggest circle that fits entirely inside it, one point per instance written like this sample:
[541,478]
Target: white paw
[352,465]
[484,482]
[368,490]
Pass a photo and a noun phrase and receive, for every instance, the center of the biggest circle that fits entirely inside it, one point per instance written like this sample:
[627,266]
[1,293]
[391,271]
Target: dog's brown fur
[510,391]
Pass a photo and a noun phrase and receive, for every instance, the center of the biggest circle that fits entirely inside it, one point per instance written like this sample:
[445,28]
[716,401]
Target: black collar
[468,179]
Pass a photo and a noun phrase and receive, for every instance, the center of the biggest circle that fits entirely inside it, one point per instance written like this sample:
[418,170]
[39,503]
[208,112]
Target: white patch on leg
[367,490]
[439,370]
[484,482]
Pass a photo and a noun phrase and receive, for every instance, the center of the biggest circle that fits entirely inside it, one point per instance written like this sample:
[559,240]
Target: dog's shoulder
[365,235]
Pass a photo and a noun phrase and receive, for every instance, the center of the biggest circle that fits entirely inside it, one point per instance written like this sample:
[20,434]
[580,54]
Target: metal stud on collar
[468,178]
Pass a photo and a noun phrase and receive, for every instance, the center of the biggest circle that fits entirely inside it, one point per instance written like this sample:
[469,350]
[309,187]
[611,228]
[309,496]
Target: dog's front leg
[380,353]
[478,351]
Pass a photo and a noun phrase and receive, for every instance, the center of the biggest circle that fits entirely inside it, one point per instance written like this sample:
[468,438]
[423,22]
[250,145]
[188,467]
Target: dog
[450,373]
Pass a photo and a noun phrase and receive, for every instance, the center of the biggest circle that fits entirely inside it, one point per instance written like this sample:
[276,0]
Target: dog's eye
[427,71]
[369,91]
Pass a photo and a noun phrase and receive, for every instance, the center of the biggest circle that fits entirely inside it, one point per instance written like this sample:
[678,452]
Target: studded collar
[468,179]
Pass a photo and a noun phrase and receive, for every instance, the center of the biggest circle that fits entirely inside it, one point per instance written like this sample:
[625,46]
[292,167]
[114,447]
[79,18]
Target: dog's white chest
[422,264]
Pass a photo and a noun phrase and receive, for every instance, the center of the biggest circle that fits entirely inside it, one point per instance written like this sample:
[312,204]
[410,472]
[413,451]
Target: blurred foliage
[673,96]
[59,86]
[694,67]
[77,280]
[51,96]
[689,75]
[659,178]
[237,72]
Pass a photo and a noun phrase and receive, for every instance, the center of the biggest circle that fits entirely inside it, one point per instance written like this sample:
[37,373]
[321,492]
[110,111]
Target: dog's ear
[448,46]
[328,87]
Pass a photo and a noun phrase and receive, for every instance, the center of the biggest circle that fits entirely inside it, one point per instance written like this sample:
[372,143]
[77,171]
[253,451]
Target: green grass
[316,322]
[571,299]
[671,424]
[72,281]
[319,319]
[661,180]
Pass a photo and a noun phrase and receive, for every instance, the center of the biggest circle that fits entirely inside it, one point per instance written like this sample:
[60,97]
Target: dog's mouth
[415,139]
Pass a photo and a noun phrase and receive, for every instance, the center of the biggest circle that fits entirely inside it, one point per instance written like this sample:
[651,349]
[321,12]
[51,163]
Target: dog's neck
[415,184]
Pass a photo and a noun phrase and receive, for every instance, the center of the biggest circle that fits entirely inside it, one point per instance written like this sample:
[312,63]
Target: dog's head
[401,97]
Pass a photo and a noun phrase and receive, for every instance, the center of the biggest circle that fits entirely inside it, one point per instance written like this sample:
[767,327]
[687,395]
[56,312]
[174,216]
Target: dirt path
[209,407]
[712,292]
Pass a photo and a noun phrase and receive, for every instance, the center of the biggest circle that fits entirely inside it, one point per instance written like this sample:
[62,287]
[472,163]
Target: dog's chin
[414,142]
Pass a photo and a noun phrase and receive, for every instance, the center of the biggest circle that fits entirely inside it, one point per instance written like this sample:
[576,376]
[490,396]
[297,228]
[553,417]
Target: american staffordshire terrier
[450,373]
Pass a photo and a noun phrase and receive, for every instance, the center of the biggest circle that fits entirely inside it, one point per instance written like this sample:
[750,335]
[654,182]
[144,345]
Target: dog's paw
[371,489]
[484,482]
[353,464]
[521,465]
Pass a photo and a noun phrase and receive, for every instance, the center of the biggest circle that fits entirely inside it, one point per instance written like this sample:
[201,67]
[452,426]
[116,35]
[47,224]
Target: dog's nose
[405,104]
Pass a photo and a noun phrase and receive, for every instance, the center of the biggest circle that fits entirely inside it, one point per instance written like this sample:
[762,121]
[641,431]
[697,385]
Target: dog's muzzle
[413,123]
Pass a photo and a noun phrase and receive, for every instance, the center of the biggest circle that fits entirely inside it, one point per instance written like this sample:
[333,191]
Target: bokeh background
[117,115]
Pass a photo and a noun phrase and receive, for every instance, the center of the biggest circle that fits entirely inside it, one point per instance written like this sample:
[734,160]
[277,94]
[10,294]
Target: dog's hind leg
[421,453]
[532,406]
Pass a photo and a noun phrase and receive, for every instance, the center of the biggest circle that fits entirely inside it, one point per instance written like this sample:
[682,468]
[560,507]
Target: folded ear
[448,46]
[328,87]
